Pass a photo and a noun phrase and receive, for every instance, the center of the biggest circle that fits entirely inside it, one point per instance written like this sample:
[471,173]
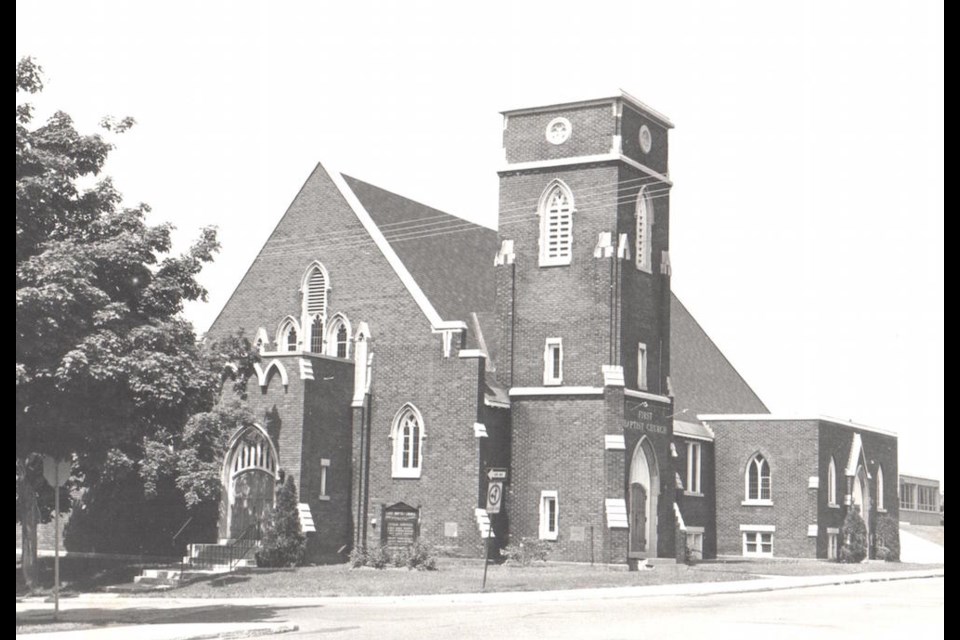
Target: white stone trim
[612,99]
[556,391]
[761,528]
[306,518]
[306,369]
[694,529]
[495,403]
[604,248]
[436,322]
[471,353]
[505,255]
[612,375]
[633,393]
[614,443]
[756,503]
[813,482]
[616,511]
[673,451]
[834,530]
[576,160]
[623,247]
[264,340]
[773,417]
[264,372]
[479,430]
[812,530]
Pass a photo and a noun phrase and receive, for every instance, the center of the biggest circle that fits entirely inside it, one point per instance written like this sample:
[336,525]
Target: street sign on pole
[56,472]
[496,473]
[494,496]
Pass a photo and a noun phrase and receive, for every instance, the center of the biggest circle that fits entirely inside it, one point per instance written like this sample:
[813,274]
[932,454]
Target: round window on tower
[558,131]
[646,140]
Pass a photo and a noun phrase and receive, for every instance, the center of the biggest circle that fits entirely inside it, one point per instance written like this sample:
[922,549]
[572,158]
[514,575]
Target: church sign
[401,525]
[640,418]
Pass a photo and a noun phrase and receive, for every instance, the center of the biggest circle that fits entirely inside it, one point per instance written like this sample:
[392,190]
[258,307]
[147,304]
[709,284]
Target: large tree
[104,358]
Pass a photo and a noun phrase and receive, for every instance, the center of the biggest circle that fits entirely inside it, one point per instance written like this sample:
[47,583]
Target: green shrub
[378,557]
[854,534]
[420,557]
[888,539]
[283,543]
[527,551]
[358,557]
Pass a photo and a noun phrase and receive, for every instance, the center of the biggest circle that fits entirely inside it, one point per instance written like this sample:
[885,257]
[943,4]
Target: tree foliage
[283,540]
[888,538]
[104,358]
[854,532]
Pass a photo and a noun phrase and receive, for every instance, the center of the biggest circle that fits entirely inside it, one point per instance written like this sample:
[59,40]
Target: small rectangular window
[693,467]
[695,542]
[641,366]
[553,362]
[324,466]
[549,515]
[757,543]
[833,545]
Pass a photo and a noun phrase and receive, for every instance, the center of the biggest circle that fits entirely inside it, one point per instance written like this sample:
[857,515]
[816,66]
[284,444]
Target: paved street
[909,609]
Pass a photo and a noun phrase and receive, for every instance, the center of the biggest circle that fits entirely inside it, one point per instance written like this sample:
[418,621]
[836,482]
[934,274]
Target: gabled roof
[450,258]
[702,378]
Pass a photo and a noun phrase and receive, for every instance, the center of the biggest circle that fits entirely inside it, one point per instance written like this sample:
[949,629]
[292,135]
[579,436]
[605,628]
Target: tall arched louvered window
[556,225]
[407,443]
[314,289]
[644,231]
[757,480]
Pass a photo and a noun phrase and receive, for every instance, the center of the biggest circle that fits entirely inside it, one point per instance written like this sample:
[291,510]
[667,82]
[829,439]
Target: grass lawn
[82,574]
[452,576]
[933,534]
[49,626]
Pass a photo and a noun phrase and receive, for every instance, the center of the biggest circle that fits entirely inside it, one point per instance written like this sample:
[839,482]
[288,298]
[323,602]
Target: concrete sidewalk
[195,618]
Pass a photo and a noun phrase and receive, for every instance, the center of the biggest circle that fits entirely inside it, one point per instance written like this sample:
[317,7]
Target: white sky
[807,213]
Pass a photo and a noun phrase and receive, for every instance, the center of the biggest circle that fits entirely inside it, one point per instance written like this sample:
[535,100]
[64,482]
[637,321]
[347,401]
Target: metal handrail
[173,543]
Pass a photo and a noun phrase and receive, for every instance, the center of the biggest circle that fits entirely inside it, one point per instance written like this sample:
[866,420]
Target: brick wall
[699,510]
[571,302]
[878,450]
[557,445]
[630,122]
[790,447]
[408,365]
[591,133]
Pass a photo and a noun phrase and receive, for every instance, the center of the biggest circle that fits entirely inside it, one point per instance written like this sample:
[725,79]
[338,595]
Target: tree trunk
[29,517]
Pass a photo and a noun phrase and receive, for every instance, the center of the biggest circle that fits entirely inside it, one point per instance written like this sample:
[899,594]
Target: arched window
[313,314]
[407,443]
[287,336]
[880,506]
[556,225]
[644,231]
[338,337]
[757,480]
[832,482]
[316,335]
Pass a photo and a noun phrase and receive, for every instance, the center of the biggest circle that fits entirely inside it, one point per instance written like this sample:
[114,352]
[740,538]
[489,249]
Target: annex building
[425,378]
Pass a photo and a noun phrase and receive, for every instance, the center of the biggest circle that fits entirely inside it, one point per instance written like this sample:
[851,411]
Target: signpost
[494,496]
[56,472]
[496,477]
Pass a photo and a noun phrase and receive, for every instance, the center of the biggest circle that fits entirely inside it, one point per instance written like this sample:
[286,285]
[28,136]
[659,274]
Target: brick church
[425,378]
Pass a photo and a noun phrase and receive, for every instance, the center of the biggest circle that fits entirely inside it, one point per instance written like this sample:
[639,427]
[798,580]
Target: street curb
[242,633]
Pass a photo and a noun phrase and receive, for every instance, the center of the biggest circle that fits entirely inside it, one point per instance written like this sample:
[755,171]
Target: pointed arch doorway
[644,492]
[250,476]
